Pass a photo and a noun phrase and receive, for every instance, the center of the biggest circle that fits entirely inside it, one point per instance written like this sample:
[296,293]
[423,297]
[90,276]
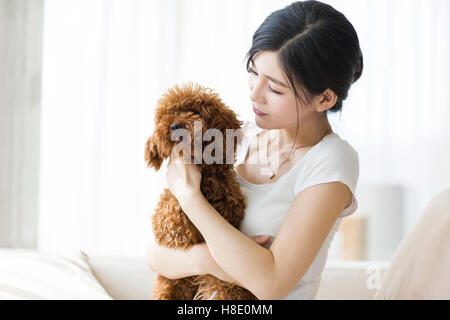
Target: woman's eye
[253,71]
[274,90]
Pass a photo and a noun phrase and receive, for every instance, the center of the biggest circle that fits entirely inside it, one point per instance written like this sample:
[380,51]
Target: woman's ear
[326,100]
[152,155]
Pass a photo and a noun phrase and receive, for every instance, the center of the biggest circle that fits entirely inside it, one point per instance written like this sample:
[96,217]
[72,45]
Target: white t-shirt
[331,159]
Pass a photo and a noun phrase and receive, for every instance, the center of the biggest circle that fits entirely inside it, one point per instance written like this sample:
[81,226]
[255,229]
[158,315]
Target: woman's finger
[260,239]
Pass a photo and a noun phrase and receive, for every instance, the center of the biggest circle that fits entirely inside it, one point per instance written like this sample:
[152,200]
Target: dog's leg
[173,289]
[208,287]
[233,292]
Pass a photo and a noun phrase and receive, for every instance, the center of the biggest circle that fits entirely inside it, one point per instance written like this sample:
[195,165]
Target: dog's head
[193,116]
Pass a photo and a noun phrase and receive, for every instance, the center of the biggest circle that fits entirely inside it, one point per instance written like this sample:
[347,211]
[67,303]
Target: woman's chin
[261,122]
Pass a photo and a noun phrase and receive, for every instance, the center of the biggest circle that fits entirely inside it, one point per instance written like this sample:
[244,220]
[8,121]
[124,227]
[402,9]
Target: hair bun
[358,67]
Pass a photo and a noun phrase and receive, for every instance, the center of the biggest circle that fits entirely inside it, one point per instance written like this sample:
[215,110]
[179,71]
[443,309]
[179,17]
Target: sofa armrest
[124,278]
[351,280]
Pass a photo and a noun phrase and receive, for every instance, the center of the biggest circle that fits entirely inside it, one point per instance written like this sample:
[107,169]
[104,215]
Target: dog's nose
[175,126]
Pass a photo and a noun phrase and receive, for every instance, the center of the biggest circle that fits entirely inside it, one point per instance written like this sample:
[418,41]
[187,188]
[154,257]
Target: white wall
[102,78]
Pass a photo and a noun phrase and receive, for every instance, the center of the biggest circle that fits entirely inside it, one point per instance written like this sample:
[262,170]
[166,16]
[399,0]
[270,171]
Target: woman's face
[271,94]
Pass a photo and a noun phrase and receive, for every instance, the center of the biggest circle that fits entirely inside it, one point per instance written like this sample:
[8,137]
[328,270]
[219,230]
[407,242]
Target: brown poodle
[180,107]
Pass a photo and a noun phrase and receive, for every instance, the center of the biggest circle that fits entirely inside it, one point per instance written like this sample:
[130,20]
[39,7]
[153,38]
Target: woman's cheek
[278,105]
[283,110]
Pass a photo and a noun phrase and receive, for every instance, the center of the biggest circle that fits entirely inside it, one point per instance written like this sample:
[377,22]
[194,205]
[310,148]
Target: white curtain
[20,109]
[106,62]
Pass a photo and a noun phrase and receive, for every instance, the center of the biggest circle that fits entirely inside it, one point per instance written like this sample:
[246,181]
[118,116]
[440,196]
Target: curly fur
[172,228]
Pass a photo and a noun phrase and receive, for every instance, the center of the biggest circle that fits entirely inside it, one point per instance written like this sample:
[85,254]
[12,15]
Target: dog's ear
[152,155]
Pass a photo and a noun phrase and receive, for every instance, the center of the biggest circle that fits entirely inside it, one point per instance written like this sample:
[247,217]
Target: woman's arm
[272,273]
[197,260]
[268,273]
[251,265]
[176,263]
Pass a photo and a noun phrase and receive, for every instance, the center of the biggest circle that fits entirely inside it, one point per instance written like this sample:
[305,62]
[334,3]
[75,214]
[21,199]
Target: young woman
[301,64]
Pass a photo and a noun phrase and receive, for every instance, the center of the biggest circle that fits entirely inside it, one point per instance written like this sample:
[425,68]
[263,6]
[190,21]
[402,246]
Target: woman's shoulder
[338,149]
[334,160]
[335,156]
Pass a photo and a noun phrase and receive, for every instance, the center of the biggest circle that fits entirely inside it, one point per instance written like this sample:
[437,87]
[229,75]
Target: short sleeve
[336,161]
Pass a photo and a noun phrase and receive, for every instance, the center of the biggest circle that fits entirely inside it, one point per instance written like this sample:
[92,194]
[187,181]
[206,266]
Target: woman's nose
[254,97]
[256,93]
[257,98]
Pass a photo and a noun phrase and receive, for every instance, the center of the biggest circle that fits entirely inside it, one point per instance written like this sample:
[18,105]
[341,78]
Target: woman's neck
[308,135]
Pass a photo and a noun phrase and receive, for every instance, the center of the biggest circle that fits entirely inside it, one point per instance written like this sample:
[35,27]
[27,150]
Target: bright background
[106,62]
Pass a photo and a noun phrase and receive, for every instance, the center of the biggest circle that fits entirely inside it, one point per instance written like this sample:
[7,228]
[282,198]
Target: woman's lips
[259,113]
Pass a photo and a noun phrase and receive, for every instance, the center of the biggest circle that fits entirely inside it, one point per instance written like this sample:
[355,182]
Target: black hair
[317,47]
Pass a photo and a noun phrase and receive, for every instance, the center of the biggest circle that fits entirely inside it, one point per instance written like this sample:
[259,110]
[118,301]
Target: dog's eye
[176,126]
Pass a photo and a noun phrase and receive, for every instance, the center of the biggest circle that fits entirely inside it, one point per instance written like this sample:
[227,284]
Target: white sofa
[73,275]
[418,270]
[130,278]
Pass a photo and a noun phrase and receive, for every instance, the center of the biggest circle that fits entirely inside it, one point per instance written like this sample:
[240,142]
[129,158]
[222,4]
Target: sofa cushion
[30,274]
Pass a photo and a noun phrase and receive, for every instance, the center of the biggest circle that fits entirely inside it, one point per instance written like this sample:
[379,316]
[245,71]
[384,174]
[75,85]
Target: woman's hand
[183,179]
[261,240]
